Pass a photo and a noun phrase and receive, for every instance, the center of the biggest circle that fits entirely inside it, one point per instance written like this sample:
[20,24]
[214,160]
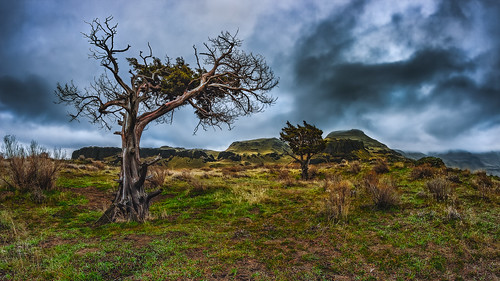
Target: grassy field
[260,222]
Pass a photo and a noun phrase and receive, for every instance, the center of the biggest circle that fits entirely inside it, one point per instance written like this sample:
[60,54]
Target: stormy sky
[416,75]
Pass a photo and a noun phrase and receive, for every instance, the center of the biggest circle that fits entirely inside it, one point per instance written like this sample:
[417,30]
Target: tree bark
[131,202]
[304,165]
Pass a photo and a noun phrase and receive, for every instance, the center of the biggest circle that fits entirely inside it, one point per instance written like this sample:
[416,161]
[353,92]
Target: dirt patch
[98,199]
[137,240]
[55,241]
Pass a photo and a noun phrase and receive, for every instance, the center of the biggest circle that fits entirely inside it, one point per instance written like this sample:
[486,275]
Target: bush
[421,172]
[355,167]
[432,161]
[452,214]
[233,171]
[286,178]
[440,188]
[30,170]
[338,200]
[383,192]
[313,172]
[483,184]
[157,176]
[381,167]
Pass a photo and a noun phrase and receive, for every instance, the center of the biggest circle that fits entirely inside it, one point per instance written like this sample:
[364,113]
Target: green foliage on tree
[305,142]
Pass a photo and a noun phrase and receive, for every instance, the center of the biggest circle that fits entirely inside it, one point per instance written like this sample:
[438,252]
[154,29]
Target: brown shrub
[421,172]
[483,184]
[197,187]
[440,188]
[452,214]
[338,201]
[286,178]
[454,178]
[313,172]
[30,169]
[355,167]
[157,176]
[233,171]
[99,165]
[381,167]
[383,192]
[185,175]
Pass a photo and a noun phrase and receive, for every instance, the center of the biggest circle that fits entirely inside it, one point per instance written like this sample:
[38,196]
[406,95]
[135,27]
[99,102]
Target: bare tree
[227,83]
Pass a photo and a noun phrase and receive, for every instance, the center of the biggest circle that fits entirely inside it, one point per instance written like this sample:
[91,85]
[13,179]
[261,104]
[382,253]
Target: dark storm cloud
[12,16]
[446,68]
[31,99]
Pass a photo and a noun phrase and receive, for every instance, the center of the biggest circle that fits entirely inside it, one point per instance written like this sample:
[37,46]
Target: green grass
[250,223]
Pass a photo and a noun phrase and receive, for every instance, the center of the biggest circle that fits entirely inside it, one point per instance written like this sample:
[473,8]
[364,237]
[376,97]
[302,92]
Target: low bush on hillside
[439,188]
[432,161]
[287,179]
[422,172]
[483,184]
[355,167]
[381,167]
[382,191]
[30,169]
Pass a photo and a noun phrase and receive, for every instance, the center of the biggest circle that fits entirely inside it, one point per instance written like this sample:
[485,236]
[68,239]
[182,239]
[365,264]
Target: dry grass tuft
[338,201]
[382,191]
[483,184]
[157,176]
[440,188]
[381,167]
[355,167]
[10,229]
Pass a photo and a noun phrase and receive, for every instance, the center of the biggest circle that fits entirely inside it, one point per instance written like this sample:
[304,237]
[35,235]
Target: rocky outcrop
[95,152]
[100,153]
[229,155]
[343,146]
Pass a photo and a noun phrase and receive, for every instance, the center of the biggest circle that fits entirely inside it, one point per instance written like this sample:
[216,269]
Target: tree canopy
[304,141]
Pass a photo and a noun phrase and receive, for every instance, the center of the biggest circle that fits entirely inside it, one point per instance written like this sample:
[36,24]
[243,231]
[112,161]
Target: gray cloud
[340,76]
[29,99]
[419,73]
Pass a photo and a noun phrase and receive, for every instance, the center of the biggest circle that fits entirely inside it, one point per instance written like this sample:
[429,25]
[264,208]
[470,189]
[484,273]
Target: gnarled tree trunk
[131,202]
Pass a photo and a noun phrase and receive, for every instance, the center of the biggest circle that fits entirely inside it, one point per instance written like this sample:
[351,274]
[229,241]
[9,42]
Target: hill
[486,161]
[258,146]
[352,144]
[355,134]
[348,144]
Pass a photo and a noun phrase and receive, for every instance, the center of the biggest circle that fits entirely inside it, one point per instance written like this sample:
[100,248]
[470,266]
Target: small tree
[235,84]
[305,142]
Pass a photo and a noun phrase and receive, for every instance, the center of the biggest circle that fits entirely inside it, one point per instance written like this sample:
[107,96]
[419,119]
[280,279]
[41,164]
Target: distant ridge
[485,161]
[258,146]
[346,144]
